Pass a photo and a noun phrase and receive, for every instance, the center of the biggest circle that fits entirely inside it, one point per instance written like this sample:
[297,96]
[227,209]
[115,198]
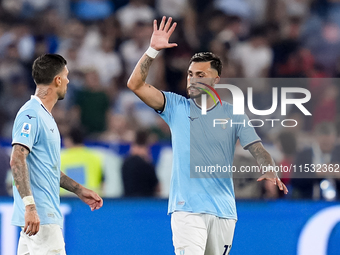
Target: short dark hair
[214,60]
[77,135]
[142,137]
[46,67]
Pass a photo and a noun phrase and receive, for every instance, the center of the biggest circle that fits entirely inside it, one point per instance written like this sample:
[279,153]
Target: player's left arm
[89,197]
[263,158]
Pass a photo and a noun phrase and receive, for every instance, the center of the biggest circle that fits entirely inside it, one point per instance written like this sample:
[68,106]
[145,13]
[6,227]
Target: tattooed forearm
[69,184]
[144,67]
[20,170]
[262,156]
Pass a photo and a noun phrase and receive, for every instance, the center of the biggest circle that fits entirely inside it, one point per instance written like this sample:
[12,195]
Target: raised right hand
[160,36]
[32,221]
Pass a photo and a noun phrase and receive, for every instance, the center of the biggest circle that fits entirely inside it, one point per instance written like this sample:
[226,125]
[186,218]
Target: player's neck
[47,96]
[210,102]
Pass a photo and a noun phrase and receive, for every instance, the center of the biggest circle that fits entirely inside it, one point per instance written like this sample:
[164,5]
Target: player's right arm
[146,92]
[22,183]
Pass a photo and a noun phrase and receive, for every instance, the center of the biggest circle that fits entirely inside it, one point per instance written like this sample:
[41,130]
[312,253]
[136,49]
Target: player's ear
[217,79]
[57,80]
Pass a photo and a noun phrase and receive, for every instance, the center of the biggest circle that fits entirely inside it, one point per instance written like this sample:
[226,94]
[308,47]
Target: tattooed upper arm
[19,152]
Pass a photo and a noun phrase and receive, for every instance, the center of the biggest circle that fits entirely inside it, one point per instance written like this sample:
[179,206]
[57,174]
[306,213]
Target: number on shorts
[226,250]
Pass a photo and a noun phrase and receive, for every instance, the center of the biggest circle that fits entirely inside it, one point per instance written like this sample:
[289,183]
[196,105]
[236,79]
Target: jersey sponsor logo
[30,117]
[26,130]
[181,203]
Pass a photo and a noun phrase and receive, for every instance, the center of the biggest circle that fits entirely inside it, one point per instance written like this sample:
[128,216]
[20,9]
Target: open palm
[160,36]
[272,177]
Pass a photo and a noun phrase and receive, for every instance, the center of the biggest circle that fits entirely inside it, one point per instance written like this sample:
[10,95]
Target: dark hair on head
[142,137]
[214,60]
[46,67]
[258,31]
[77,135]
[288,142]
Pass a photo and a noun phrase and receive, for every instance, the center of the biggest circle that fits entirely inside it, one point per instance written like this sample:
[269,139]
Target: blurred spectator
[12,101]
[325,109]
[160,132]
[135,11]
[139,176]
[239,8]
[105,60]
[92,105]
[172,8]
[287,144]
[80,163]
[25,9]
[4,170]
[213,25]
[323,40]
[119,130]
[11,66]
[286,59]
[47,31]
[164,170]
[254,57]
[129,105]
[323,151]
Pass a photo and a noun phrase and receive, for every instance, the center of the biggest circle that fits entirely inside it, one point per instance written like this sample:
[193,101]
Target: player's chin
[194,95]
[61,97]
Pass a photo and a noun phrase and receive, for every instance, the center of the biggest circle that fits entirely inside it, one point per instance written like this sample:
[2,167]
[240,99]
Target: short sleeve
[245,133]
[25,129]
[171,101]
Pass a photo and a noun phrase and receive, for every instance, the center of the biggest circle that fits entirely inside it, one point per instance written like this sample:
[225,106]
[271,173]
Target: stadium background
[102,41]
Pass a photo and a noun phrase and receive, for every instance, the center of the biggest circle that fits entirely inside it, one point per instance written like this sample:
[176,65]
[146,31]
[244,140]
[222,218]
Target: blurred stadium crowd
[102,41]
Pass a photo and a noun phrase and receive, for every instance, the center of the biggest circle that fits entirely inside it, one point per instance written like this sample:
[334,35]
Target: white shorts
[201,234]
[48,241]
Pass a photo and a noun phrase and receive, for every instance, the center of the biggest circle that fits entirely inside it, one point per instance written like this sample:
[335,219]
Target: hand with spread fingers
[272,177]
[160,36]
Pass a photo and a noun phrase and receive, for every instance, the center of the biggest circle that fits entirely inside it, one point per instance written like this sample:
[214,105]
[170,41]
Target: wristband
[151,52]
[28,200]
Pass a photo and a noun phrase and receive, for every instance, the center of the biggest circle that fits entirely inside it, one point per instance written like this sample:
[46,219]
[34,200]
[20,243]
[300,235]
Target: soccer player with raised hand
[203,210]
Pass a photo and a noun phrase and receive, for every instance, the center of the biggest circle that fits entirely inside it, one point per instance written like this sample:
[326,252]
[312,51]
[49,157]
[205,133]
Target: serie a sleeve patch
[26,130]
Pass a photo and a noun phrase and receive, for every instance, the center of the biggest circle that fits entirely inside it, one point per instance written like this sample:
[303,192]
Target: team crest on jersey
[224,125]
[26,130]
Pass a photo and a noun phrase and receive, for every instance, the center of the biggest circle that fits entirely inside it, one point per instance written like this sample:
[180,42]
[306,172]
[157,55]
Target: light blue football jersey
[196,142]
[35,128]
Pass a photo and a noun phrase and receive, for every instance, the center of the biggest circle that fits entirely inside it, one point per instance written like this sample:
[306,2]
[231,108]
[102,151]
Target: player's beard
[194,95]
[61,96]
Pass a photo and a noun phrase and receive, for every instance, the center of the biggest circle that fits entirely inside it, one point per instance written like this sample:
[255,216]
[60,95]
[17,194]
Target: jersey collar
[39,100]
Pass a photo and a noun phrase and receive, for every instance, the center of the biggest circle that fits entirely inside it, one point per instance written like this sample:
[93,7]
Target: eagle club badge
[26,130]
